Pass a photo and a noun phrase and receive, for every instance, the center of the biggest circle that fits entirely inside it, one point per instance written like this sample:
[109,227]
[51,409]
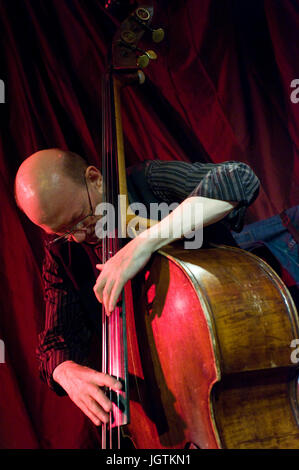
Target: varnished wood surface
[257,412]
[251,311]
[215,333]
[170,367]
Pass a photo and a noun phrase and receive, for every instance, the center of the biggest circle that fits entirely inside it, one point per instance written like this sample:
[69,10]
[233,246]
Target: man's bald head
[44,179]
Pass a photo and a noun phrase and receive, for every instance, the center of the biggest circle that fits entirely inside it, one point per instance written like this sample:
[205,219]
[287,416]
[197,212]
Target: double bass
[200,338]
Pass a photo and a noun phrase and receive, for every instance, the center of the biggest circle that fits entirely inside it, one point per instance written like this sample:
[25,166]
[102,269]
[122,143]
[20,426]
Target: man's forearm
[192,214]
[130,259]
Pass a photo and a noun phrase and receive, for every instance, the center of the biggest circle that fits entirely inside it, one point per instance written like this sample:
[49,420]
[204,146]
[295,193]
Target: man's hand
[124,265]
[82,384]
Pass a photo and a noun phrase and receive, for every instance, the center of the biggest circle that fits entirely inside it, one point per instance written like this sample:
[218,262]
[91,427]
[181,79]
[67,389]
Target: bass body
[209,353]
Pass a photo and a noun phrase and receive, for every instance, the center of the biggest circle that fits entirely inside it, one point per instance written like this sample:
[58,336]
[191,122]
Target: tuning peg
[128,36]
[151,55]
[141,16]
[143,60]
[141,77]
[157,34]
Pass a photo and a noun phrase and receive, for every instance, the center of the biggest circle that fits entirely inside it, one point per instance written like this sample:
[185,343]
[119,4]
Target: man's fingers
[97,294]
[96,409]
[102,399]
[94,418]
[100,266]
[106,293]
[115,293]
[108,381]
[99,287]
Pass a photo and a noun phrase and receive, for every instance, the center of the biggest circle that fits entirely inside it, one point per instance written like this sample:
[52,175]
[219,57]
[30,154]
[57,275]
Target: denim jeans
[272,233]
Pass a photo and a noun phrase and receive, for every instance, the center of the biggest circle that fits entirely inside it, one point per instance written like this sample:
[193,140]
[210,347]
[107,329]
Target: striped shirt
[72,313]
[229,181]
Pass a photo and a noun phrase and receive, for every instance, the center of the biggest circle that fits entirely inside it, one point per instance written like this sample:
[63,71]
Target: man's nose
[79,236]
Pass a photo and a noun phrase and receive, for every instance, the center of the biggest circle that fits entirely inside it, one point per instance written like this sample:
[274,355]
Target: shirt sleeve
[66,334]
[229,181]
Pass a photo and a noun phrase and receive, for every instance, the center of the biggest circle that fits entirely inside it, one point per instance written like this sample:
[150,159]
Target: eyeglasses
[77,227]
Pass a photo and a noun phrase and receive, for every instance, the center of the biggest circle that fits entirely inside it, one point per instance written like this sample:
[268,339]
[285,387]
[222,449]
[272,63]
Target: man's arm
[134,256]
[223,191]
[64,345]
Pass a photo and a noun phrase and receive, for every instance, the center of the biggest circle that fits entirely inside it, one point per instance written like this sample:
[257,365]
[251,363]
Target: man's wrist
[60,370]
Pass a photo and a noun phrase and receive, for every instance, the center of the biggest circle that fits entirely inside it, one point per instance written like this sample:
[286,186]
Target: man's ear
[94,175]
[100,182]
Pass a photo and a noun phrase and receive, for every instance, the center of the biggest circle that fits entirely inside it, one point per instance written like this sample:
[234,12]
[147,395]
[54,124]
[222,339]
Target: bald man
[59,192]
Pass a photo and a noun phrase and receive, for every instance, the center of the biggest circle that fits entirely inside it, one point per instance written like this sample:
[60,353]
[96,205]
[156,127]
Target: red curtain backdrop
[220,90]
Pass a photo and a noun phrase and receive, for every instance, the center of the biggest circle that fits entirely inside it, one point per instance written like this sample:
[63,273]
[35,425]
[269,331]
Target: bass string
[104,247]
[117,336]
[110,328]
[106,169]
